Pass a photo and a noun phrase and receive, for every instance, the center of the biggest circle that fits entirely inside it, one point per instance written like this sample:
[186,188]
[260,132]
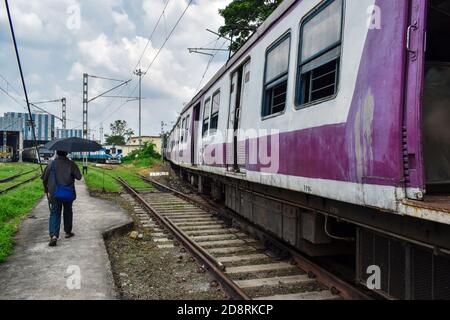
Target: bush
[146,153]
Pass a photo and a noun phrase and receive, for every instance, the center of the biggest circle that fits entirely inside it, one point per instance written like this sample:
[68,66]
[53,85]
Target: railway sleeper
[197,227]
[242,258]
[217,252]
[261,268]
[225,243]
[187,216]
[200,224]
[211,231]
[275,281]
[199,220]
[315,295]
[219,237]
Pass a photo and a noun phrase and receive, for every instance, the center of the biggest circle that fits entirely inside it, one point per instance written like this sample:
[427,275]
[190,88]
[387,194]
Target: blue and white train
[108,155]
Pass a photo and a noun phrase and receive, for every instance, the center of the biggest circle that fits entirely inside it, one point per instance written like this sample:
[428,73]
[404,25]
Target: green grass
[103,179]
[97,179]
[11,169]
[14,205]
[18,180]
[142,163]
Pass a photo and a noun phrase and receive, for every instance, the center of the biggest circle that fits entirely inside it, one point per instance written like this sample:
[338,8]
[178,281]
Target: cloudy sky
[57,48]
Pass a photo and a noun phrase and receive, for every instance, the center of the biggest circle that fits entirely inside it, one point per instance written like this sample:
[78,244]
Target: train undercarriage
[398,257]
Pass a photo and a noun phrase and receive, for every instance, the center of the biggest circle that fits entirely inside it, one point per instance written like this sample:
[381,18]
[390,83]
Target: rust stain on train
[363,130]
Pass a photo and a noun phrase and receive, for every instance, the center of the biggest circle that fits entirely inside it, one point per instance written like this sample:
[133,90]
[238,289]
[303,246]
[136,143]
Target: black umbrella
[73,145]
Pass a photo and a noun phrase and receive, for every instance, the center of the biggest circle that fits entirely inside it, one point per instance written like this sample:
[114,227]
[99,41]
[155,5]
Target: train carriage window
[186,130]
[183,124]
[206,114]
[276,77]
[320,53]
[215,111]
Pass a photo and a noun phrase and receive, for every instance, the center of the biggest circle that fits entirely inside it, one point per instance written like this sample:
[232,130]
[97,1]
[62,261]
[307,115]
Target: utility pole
[163,140]
[64,103]
[139,73]
[85,106]
[86,99]
[4,148]
[85,118]
[64,118]
[101,133]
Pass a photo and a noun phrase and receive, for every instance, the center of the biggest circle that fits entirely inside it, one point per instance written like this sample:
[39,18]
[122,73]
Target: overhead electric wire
[48,101]
[209,64]
[44,111]
[104,78]
[155,57]
[162,47]
[168,37]
[139,61]
[12,97]
[151,35]
[10,85]
[106,92]
[23,84]
[33,105]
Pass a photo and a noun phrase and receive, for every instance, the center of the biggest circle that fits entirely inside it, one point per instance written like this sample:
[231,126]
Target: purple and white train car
[331,124]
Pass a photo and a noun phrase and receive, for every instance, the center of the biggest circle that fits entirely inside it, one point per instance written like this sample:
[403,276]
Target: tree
[120,133]
[243,17]
[115,140]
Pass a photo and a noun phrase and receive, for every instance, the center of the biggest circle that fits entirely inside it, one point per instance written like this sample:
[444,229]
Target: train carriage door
[235,147]
[436,100]
[241,138]
[412,123]
[231,122]
[195,134]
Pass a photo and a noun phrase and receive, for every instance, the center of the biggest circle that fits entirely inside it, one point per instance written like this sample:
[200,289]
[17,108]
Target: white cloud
[112,37]
[124,26]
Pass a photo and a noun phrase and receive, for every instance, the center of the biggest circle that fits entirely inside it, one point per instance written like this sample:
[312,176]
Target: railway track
[241,264]
[3,191]
[14,177]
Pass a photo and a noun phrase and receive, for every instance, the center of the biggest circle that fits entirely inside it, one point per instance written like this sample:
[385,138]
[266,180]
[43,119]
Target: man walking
[59,183]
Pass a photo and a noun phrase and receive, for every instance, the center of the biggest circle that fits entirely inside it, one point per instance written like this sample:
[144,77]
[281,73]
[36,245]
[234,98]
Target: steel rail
[344,289]
[11,178]
[201,255]
[19,184]
[186,197]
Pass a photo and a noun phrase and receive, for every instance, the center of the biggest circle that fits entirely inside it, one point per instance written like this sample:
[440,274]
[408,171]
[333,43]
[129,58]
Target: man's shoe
[53,242]
[70,235]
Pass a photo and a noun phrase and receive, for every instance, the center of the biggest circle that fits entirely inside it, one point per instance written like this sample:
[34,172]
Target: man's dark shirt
[66,172]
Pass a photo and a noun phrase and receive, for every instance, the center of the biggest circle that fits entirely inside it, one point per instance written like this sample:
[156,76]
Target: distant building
[156,140]
[17,133]
[127,149]
[133,144]
[69,133]
[16,121]
[19,124]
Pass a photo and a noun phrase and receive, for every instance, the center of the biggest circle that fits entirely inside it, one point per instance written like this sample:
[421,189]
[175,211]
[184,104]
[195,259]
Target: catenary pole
[139,73]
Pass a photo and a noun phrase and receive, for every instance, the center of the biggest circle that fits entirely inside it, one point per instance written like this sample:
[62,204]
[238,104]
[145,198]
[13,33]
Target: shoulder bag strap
[53,172]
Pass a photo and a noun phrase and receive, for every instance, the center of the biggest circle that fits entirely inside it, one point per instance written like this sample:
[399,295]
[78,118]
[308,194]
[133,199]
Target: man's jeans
[55,217]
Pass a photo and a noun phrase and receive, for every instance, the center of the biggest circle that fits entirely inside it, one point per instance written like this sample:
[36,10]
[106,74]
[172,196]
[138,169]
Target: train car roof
[283,8]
